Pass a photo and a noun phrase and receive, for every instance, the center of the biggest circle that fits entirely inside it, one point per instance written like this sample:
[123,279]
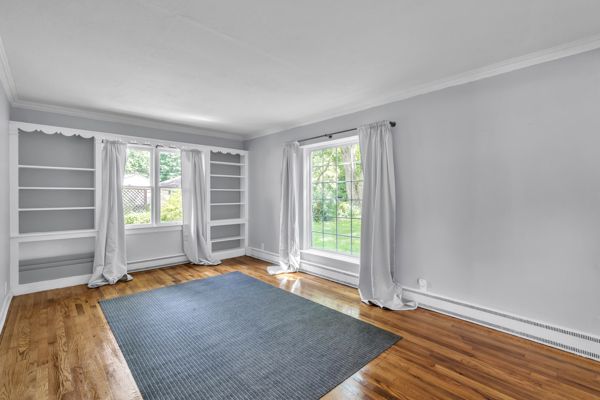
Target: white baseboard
[566,339]
[264,255]
[4,309]
[151,263]
[331,273]
[132,266]
[33,287]
[309,267]
[224,254]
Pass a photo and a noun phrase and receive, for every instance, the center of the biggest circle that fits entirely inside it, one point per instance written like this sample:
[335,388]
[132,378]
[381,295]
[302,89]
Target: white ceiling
[251,67]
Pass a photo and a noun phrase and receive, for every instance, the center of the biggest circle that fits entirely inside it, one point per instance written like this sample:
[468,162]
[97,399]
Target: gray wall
[498,190]
[4,224]
[67,121]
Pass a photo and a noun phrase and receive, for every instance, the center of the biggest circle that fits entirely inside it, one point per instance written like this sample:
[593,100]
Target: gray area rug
[235,337]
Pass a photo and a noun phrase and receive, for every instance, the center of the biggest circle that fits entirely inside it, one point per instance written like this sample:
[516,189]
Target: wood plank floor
[57,345]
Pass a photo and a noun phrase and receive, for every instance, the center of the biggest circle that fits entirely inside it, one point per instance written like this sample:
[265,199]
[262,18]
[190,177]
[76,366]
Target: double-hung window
[336,183]
[152,186]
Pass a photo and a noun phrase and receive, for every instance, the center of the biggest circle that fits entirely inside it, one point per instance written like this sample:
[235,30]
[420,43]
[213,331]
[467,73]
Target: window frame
[307,198]
[155,188]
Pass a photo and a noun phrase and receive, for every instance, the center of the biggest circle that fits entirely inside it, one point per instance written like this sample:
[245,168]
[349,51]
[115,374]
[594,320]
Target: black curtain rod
[330,135]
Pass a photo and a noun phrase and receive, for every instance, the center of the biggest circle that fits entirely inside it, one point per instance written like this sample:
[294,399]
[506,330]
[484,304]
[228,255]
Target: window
[152,186]
[336,181]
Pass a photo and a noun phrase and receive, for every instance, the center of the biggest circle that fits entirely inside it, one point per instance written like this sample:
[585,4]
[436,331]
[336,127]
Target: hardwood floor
[57,345]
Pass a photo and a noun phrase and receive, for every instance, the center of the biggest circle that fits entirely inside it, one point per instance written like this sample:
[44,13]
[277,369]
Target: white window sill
[330,255]
[135,229]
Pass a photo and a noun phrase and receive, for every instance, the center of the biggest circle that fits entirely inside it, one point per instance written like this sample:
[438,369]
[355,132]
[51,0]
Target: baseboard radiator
[569,340]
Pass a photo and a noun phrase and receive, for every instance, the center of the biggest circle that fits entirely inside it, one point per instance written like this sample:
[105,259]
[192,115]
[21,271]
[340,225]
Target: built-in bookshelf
[228,204]
[56,183]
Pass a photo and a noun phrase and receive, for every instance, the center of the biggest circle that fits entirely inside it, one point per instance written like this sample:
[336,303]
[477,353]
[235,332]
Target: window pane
[170,205]
[329,209]
[356,153]
[329,226]
[342,191]
[329,242]
[170,169]
[317,158]
[356,228]
[356,247]
[357,190]
[137,169]
[137,205]
[343,226]
[356,208]
[317,191]
[317,225]
[317,212]
[317,240]
[137,191]
[330,190]
[344,244]
[317,173]
[357,172]
[343,209]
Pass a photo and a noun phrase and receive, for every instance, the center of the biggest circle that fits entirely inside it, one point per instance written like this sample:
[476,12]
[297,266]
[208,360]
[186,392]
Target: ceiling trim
[125,119]
[503,67]
[6,79]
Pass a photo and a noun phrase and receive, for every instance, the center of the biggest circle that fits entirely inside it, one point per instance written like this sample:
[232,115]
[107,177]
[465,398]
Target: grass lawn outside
[341,235]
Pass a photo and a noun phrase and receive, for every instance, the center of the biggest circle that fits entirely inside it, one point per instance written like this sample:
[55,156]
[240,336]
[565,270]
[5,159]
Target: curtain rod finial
[392,123]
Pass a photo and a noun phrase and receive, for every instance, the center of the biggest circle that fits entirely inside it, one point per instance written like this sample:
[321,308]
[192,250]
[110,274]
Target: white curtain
[289,230]
[378,231]
[110,258]
[195,208]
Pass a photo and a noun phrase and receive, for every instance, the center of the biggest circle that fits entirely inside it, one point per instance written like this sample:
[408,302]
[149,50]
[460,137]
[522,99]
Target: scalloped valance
[24,127]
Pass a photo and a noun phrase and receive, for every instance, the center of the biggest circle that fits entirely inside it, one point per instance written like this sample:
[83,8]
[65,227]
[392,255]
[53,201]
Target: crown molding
[6,79]
[503,67]
[125,119]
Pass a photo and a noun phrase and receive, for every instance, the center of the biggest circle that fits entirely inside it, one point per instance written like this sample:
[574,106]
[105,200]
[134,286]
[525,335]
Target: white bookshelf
[228,203]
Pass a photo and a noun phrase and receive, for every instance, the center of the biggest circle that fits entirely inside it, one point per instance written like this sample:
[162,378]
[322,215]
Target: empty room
[275,199]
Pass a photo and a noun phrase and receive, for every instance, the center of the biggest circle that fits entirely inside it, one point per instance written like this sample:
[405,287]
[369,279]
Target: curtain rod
[330,135]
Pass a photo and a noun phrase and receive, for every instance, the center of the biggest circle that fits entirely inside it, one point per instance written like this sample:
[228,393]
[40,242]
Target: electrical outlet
[422,284]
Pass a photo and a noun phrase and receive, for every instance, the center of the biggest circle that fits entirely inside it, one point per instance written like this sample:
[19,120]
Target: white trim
[55,235]
[332,255]
[4,309]
[41,286]
[56,168]
[352,138]
[54,188]
[233,221]
[230,253]
[333,274]
[503,67]
[132,266]
[263,255]
[310,267]
[159,262]
[15,126]
[566,339]
[125,119]
[142,229]
[227,239]
[6,77]
[56,208]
